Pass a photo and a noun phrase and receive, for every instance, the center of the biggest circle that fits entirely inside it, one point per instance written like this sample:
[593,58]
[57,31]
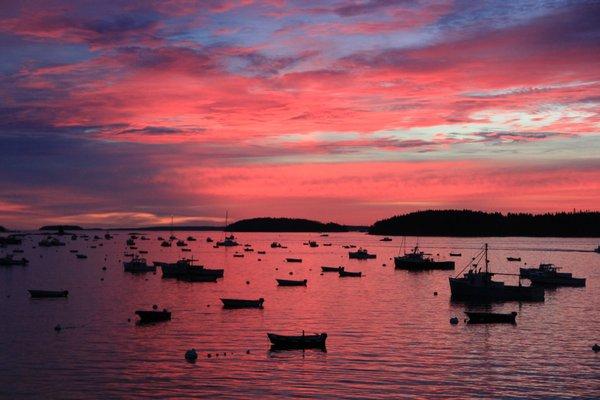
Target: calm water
[389,336]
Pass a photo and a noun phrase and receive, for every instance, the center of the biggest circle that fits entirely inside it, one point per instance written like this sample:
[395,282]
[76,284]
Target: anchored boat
[416,260]
[298,342]
[548,275]
[241,303]
[361,254]
[290,282]
[477,285]
[491,318]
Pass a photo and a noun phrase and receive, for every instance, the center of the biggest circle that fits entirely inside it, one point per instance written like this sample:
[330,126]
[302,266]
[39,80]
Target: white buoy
[454,320]
[191,355]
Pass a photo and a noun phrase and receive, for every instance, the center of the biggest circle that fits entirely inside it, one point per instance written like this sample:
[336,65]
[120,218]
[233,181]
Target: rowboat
[289,282]
[38,294]
[331,269]
[298,342]
[153,316]
[490,318]
[343,273]
[240,303]
[293,260]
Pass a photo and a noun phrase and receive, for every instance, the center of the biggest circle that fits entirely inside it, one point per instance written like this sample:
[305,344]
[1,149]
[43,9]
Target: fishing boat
[298,342]
[165,244]
[209,240]
[191,239]
[181,243]
[240,303]
[331,269]
[312,243]
[491,318]
[138,264]
[477,285]
[9,260]
[548,275]
[455,254]
[361,254]
[386,239]
[81,256]
[38,294]
[291,282]
[153,316]
[513,258]
[417,260]
[293,260]
[275,245]
[186,267]
[343,273]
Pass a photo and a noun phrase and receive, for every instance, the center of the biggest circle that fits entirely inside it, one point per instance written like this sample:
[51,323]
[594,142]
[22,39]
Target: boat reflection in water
[478,286]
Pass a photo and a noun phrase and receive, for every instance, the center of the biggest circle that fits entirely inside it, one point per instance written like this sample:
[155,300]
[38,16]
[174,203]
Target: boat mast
[486,259]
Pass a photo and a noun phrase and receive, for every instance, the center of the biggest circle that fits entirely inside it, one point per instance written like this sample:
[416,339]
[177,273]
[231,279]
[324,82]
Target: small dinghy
[240,303]
[153,316]
[290,282]
[39,294]
[343,273]
[298,342]
[293,260]
[455,254]
[331,269]
[513,258]
[491,318]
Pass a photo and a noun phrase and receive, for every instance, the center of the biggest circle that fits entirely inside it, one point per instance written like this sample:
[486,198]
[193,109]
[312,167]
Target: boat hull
[349,274]
[241,303]
[39,294]
[462,290]
[553,281]
[153,316]
[491,318]
[287,282]
[412,265]
[298,342]
[331,269]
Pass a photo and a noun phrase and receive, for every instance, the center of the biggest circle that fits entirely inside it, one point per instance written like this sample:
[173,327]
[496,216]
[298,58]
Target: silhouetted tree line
[283,225]
[478,223]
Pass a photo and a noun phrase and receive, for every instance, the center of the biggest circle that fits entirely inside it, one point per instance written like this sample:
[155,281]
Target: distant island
[478,223]
[284,225]
[61,228]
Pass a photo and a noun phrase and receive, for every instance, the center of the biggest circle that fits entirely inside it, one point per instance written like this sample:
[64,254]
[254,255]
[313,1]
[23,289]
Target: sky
[125,113]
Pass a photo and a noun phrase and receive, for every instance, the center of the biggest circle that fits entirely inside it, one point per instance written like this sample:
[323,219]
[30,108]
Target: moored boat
[478,286]
[490,318]
[548,275]
[386,239]
[455,254]
[416,260]
[242,303]
[292,282]
[275,245]
[361,254]
[293,260]
[298,342]
[153,316]
[331,269]
[9,260]
[343,273]
[38,294]
[513,258]
[138,264]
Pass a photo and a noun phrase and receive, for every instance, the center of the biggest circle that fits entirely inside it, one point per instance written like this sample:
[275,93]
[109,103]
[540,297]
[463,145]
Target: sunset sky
[118,113]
